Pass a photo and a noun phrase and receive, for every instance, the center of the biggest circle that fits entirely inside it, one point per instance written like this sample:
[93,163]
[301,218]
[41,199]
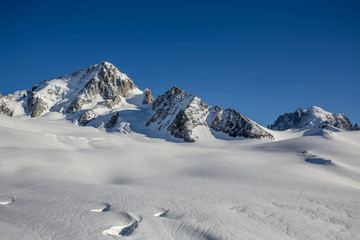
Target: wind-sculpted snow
[102,207]
[61,181]
[316,159]
[313,117]
[6,200]
[126,223]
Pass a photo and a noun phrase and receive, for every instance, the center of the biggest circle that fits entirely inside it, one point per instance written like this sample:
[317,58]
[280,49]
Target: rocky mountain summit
[103,97]
[180,113]
[313,117]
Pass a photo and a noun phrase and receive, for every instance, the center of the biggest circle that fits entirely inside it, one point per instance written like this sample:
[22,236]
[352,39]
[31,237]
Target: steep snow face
[312,117]
[180,113]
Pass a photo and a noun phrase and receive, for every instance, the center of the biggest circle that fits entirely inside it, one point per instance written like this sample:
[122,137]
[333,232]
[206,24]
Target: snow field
[72,182]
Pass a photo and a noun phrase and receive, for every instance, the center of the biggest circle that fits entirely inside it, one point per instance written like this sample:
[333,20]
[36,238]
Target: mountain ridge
[103,97]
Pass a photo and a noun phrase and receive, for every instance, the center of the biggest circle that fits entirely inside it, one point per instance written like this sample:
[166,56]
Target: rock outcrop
[148,97]
[113,121]
[4,109]
[86,117]
[36,106]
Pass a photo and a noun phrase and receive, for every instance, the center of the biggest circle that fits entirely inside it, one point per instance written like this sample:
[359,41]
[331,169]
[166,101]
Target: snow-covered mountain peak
[312,117]
[110,68]
[104,63]
[316,115]
[175,89]
[317,111]
[182,114]
[103,97]
[68,94]
[79,78]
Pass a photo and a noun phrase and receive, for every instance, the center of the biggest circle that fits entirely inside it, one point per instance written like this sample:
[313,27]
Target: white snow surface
[57,179]
[316,116]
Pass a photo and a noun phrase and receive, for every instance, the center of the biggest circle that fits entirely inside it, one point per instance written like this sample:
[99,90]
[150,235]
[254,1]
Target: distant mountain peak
[312,117]
[105,63]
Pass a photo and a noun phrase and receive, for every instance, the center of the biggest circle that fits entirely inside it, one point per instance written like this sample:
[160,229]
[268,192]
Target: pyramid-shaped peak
[108,65]
[106,68]
[175,90]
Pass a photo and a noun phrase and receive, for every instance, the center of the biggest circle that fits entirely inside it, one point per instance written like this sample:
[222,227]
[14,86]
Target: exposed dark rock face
[112,83]
[312,117]
[187,119]
[4,109]
[287,120]
[113,121]
[108,82]
[168,105]
[180,113]
[36,105]
[78,104]
[234,124]
[35,87]
[148,97]
[109,104]
[342,122]
[356,127]
[86,117]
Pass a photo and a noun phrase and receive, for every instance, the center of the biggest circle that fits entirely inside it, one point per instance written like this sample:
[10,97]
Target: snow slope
[59,181]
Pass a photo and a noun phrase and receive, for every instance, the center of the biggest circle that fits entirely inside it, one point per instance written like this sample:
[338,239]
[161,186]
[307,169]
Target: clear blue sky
[262,58]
